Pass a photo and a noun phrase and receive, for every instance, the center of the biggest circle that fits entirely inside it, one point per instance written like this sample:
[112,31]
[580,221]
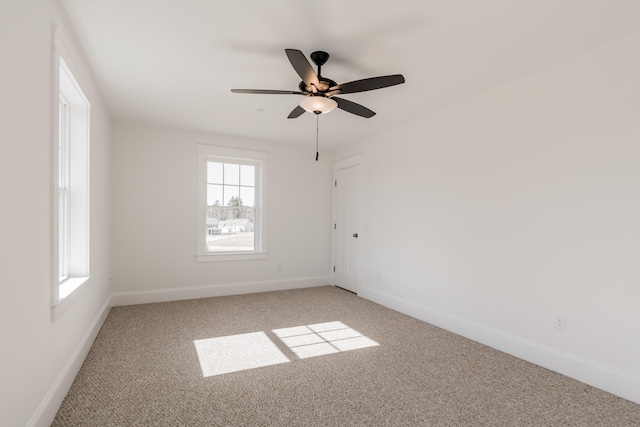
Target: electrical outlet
[279,266]
[561,322]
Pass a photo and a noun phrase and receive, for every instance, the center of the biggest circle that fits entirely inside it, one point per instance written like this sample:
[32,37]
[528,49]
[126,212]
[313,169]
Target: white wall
[518,205]
[154,214]
[37,356]
[526,196]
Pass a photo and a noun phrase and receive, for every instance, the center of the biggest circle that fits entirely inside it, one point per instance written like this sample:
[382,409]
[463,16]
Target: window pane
[230,229]
[231,174]
[247,175]
[63,240]
[61,131]
[60,168]
[214,195]
[231,193]
[214,173]
[247,195]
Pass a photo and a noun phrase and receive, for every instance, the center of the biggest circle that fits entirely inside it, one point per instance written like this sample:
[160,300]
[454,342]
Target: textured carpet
[144,369]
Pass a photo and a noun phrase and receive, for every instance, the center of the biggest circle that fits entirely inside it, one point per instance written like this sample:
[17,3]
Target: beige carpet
[145,369]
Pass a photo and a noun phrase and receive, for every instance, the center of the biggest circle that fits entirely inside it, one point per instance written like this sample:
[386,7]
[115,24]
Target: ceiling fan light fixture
[318,104]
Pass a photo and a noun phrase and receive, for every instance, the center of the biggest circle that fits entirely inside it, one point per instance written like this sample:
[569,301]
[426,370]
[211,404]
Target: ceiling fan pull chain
[317,153]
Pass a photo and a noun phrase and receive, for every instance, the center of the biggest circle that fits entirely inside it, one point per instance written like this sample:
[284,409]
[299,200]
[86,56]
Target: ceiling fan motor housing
[325,84]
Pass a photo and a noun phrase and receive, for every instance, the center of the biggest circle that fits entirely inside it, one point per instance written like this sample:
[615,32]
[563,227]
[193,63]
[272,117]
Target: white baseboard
[48,408]
[177,294]
[602,377]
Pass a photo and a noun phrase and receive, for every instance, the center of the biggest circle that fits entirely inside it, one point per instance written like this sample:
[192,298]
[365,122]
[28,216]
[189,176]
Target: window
[232,200]
[71,204]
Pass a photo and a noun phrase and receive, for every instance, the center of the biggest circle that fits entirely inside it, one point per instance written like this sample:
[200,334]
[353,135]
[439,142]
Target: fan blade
[353,108]
[367,84]
[267,91]
[297,112]
[302,66]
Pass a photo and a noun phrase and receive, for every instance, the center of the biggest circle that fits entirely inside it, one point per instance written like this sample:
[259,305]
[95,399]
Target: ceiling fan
[320,92]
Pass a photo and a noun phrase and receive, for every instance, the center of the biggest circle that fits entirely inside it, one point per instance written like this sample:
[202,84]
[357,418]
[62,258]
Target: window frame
[220,154]
[72,243]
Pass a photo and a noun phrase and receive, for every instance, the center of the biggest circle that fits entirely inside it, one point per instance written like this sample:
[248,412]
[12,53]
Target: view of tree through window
[230,207]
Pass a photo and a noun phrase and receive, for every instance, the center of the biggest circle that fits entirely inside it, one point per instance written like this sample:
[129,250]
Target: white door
[347,231]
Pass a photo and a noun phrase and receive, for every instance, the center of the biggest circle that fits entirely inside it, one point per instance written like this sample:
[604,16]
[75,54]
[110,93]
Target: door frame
[356,160]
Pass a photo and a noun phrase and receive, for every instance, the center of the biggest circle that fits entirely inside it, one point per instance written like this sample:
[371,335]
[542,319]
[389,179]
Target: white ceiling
[173,62]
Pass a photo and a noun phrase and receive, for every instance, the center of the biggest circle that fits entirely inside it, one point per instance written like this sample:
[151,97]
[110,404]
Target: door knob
[355,235]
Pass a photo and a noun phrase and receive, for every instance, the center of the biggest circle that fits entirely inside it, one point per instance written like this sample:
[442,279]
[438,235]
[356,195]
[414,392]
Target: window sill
[68,286]
[67,293]
[230,257]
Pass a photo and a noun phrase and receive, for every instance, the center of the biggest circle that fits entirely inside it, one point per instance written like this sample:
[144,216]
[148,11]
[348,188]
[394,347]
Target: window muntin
[232,200]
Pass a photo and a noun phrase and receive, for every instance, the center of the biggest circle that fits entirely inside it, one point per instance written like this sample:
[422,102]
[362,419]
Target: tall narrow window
[231,204]
[72,170]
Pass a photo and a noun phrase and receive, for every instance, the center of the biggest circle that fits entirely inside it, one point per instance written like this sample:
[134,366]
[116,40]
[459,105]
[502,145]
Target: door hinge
[334,268]
[336,183]
[334,226]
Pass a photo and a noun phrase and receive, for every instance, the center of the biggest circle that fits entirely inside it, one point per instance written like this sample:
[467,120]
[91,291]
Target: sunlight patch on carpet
[234,353]
[322,338]
[223,355]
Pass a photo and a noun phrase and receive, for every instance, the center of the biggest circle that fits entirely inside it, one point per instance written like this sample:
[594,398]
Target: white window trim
[206,151]
[62,290]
